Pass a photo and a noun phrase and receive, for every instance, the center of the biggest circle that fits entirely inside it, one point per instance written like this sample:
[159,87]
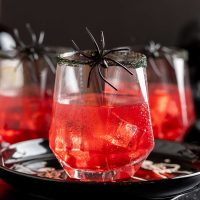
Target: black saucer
[30,166]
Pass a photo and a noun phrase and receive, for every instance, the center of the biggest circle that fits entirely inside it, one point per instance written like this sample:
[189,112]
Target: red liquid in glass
[24,117]
[171,117]
[101,137]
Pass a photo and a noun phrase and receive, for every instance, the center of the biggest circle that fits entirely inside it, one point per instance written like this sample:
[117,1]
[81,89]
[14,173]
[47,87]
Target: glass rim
[176,51]
[49,50]
[130,58]
[163,51]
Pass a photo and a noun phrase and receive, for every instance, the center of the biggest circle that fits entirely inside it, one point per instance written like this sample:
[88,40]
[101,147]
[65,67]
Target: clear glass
[98,133]
[170,95]
[26,96]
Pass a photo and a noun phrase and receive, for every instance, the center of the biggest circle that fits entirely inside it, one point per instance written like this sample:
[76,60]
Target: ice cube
[60,145]
[174,110]
[120,132]
[81,158]
[76,141]
[159,105]
[96,143]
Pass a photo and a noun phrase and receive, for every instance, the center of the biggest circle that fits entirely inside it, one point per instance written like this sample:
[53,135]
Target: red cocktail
[26,88]
[170,97]
[24,117]
[172,112]
[99,133]
[101,137]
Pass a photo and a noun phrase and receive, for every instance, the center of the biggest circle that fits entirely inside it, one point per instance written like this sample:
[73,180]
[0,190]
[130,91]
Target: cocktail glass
[170,95]
[26,95]
[99,133]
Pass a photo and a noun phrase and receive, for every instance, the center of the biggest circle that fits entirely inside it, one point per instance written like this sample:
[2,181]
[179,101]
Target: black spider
[35,50]
[155,50]
[98,58]
[152,49]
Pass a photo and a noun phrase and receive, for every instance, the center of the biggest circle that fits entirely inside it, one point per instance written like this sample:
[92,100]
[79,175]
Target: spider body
[99,57]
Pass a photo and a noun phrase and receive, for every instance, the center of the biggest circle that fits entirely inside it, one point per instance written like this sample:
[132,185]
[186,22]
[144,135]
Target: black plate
[30,166]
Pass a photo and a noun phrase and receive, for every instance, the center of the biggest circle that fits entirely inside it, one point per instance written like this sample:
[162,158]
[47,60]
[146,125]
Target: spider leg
[102,42]
[78,49]
[32,33]
[41,37]
[155,67]
[19,41]
[33,70]
[19,63]
[88,82]
[31,58]
[120,64]
[49,62]
[35,55]
[93,39]
[117,49]
[105,79]
[105,63]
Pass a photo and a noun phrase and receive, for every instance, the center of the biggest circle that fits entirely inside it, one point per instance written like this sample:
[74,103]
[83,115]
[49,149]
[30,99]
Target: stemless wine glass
[26,109]
[27,73]
[170,97]
[101,128]
[26,95]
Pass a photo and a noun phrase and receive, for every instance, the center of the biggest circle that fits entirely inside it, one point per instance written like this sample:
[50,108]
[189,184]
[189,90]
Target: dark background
[124,22]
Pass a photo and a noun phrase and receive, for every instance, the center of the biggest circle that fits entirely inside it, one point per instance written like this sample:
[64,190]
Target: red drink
[172,112]
[24,117]
[94,135]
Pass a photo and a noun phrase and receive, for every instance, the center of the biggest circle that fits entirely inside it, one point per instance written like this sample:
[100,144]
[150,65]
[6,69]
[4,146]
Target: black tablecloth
[9,193]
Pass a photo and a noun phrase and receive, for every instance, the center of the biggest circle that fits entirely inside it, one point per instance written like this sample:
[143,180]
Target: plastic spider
[98,58]
[152,49]
[35,50]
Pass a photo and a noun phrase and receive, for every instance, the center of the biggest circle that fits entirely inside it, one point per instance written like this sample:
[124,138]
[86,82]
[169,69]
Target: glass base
[102,176]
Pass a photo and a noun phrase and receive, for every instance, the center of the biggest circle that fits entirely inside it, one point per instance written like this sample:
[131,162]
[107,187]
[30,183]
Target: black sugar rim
[132,59]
